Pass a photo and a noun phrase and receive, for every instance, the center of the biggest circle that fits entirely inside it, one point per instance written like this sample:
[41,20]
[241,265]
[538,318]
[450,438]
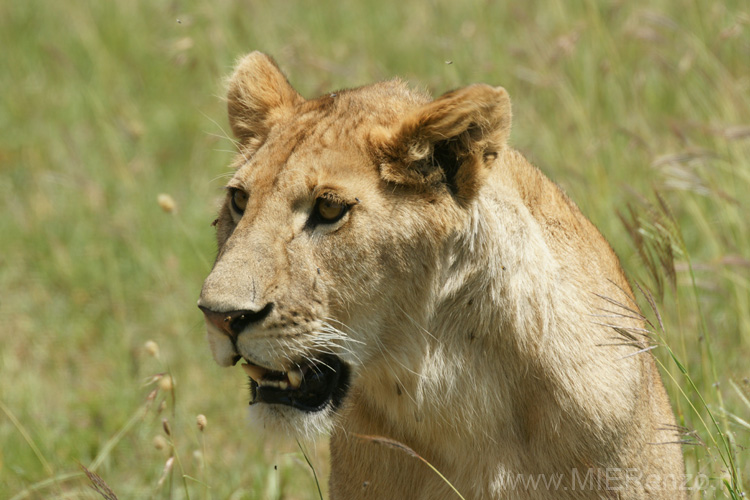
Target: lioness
[388,266]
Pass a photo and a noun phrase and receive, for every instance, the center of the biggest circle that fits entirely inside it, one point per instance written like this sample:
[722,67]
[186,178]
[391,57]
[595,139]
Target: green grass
[106,105]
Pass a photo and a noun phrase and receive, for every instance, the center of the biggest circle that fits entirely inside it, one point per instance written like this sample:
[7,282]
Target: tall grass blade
[309,463]
[396,445]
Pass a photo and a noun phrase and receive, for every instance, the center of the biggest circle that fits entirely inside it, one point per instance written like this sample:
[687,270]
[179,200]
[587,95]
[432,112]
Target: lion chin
[283,420]
[301,402]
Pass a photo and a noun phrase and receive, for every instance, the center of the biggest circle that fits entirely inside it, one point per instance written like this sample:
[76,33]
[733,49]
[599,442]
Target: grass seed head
[151,396]
[166,384]
[166,202]
[152,348]
[160,442]
[167,428]
[167,468]
[201,421]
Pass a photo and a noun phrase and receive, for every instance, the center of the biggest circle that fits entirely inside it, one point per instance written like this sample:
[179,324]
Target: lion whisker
[423,329]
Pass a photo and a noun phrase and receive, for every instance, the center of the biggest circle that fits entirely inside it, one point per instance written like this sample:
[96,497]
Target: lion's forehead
[308,151]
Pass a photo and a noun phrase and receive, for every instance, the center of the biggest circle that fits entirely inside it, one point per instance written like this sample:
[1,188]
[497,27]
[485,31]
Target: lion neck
[467,354]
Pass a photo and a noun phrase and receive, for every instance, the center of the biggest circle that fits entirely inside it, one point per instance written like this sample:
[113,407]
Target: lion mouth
[309,387]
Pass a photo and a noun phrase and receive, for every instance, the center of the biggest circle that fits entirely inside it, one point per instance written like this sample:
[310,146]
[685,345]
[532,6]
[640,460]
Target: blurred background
[114,148]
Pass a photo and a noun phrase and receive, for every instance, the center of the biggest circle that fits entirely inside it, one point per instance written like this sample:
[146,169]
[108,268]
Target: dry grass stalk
[99,485]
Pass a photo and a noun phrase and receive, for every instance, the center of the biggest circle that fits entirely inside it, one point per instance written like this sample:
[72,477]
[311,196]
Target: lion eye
[329,211]
[239,200]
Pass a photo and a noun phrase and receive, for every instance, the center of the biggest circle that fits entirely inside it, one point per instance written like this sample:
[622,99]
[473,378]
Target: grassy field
[639,109]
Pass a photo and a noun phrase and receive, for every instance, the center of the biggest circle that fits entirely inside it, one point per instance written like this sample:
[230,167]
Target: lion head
[337,228]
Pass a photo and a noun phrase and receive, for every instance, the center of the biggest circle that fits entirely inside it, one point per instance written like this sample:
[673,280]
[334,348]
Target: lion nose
[234,322]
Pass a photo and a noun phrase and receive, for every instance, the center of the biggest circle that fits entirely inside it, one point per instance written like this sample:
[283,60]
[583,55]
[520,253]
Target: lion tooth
[295,378]
[278,384]
[254,372]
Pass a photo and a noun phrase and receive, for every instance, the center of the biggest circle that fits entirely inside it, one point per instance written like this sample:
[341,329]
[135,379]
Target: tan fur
[471,298]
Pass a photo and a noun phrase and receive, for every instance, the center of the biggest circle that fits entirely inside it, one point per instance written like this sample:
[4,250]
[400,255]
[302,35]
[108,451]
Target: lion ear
[258,95]
[449,141]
